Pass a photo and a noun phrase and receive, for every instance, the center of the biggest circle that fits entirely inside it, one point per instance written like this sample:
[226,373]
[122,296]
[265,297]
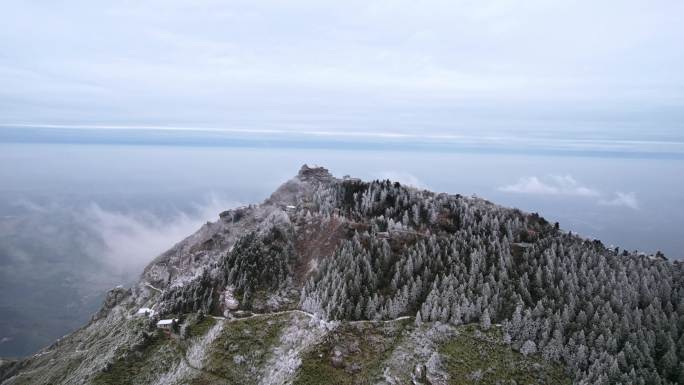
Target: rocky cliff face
[342,281]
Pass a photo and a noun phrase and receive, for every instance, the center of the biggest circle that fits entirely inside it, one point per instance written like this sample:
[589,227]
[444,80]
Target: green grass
[471,353]
[156,355]
[367,346]
[202,327]
[239,354]
[252,339]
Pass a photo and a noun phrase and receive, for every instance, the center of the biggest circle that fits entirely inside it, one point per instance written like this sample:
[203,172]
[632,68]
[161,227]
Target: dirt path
[152,287]
[310,315]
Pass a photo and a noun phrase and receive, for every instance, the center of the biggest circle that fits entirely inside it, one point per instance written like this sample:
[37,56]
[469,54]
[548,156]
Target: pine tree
[485,321]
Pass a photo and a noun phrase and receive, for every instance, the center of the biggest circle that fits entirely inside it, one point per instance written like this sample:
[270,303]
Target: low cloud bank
[622,199]
[401,177]
[123,240]
[566,185]
[555,185]
[131,240]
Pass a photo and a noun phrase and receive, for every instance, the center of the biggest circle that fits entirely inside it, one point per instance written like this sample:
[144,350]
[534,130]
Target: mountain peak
[314,173]
[293,289]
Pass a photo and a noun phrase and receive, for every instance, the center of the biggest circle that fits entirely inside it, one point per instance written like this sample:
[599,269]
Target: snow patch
[197,353]
[178,374]
[295,339]
[228,300]
[419,348]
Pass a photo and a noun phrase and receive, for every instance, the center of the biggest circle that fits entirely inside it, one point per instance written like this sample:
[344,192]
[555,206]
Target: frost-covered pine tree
[529,347]
[485,321]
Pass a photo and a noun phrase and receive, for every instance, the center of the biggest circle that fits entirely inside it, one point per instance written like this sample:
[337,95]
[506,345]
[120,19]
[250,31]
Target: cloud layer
[566,185]
[556,185]
[123,240]
[441,66]
[401,177]
[131,240]
[622,199]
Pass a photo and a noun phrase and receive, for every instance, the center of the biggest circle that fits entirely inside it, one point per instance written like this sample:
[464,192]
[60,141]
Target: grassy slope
[365,347]
[469,355]
[243,347]
[251,339]
[62,361]
[473,355]
[157,354]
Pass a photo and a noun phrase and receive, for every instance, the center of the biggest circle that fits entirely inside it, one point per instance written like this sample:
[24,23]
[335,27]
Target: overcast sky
[608,69]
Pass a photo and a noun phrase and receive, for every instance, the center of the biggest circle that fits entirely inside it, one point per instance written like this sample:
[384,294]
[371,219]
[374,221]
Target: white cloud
[131,240]
[100,238]
[31,206]
[566,185]
[622,199]
[530,185]
[555,185]
[401,177]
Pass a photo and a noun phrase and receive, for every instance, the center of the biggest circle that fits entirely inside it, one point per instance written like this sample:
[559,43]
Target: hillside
[340,281]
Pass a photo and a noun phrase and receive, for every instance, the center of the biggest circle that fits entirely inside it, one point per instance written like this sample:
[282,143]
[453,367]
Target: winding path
[152,287]
[219,378]
[310,315]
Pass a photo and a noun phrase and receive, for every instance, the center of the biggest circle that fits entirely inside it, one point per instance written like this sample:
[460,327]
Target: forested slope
[348,252]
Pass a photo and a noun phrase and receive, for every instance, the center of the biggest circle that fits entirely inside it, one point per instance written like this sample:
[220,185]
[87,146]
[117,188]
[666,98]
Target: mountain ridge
[322,253]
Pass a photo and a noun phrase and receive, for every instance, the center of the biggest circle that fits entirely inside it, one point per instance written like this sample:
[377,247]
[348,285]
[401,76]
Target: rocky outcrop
[114,297]
[320,174]
[8,367]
